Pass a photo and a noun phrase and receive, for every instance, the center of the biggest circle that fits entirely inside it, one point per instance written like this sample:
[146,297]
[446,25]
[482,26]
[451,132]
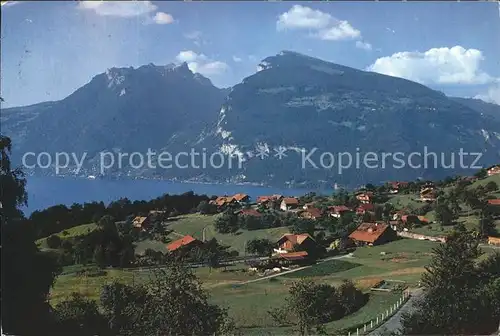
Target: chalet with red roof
[495,202]
[428,194]
[372,234]
[290,242]
[249,212]
[269,201]
[292,257]
[141,222]
[365,197]
[364,208]
[396,186]
[241,198]
[311,213]
[493,170]
[186,242]
[289,203]
[337,210]
[494,241]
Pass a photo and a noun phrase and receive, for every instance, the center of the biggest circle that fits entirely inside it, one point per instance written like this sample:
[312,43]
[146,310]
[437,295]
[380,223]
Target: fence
[420,236]
[373,324]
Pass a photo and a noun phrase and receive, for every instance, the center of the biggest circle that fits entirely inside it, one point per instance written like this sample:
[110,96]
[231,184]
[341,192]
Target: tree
[481,173]
[460,295]
[227,223]
[171,303]
[261,247]
[205,208]
[53,241]
[491,186]
[444,214]
[79,316]
[27,273]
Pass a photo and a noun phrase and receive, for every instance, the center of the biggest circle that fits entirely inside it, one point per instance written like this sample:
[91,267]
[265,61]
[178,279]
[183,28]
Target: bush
[54,241]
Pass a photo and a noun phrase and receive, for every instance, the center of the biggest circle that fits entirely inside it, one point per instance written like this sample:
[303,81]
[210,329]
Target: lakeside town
[377,241]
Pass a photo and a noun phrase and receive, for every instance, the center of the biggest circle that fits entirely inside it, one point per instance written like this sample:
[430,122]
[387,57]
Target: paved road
[295,270]
[394,322]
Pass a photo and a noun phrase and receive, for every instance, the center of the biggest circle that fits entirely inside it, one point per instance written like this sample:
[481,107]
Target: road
[295,270]
[393,324]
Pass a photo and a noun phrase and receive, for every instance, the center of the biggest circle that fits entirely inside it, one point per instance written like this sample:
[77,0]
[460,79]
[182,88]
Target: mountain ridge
[294,100]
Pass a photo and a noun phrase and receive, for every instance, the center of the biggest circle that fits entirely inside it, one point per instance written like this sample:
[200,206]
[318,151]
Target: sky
[50,49]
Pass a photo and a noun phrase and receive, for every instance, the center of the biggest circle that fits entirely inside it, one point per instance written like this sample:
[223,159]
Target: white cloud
[340,31]
[196,37]
[363,45]
[163,18]
[201,64]
[319,24]
[124,9]
[455,65]
[301,17]
[491,96]
[237,59]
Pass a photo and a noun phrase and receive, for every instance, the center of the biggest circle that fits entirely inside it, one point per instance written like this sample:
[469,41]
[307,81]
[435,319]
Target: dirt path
[393,324]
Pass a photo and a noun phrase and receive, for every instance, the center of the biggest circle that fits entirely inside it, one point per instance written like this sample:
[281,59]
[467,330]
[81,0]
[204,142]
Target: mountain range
[293,104]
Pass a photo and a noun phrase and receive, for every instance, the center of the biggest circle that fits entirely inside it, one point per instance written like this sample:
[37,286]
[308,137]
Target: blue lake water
[44,192]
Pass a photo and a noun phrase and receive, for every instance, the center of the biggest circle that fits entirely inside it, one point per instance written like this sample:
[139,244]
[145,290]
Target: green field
[323,269]
[193,224]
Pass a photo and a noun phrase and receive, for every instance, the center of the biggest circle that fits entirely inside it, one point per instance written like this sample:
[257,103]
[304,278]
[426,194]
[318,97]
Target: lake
[44,192]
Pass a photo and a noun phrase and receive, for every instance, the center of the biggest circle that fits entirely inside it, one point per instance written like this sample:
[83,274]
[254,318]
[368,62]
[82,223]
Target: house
[394,187]
[223,201]
[308,205]
[494,241]
[311,213]
[493,170]
[428,194]
[289,203]
[249,212]
[363,208]
[300,257]
[414,219]
[398,214]
[241,198]
[183,243]
[495,202]
[365,197]
[141,222]
[372,234]
[337,210]
[289,242]
[268,201]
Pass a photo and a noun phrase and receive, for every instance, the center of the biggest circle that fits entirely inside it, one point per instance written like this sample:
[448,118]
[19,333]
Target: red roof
[186,240]
[368,232]
[290,200]
[494,202]
[366,207]
[338,208]
[295,238]
[240,197]
[314,212]
[250,212]
[293,255]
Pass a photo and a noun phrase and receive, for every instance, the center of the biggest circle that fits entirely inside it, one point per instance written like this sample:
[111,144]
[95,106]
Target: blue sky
[49,49]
